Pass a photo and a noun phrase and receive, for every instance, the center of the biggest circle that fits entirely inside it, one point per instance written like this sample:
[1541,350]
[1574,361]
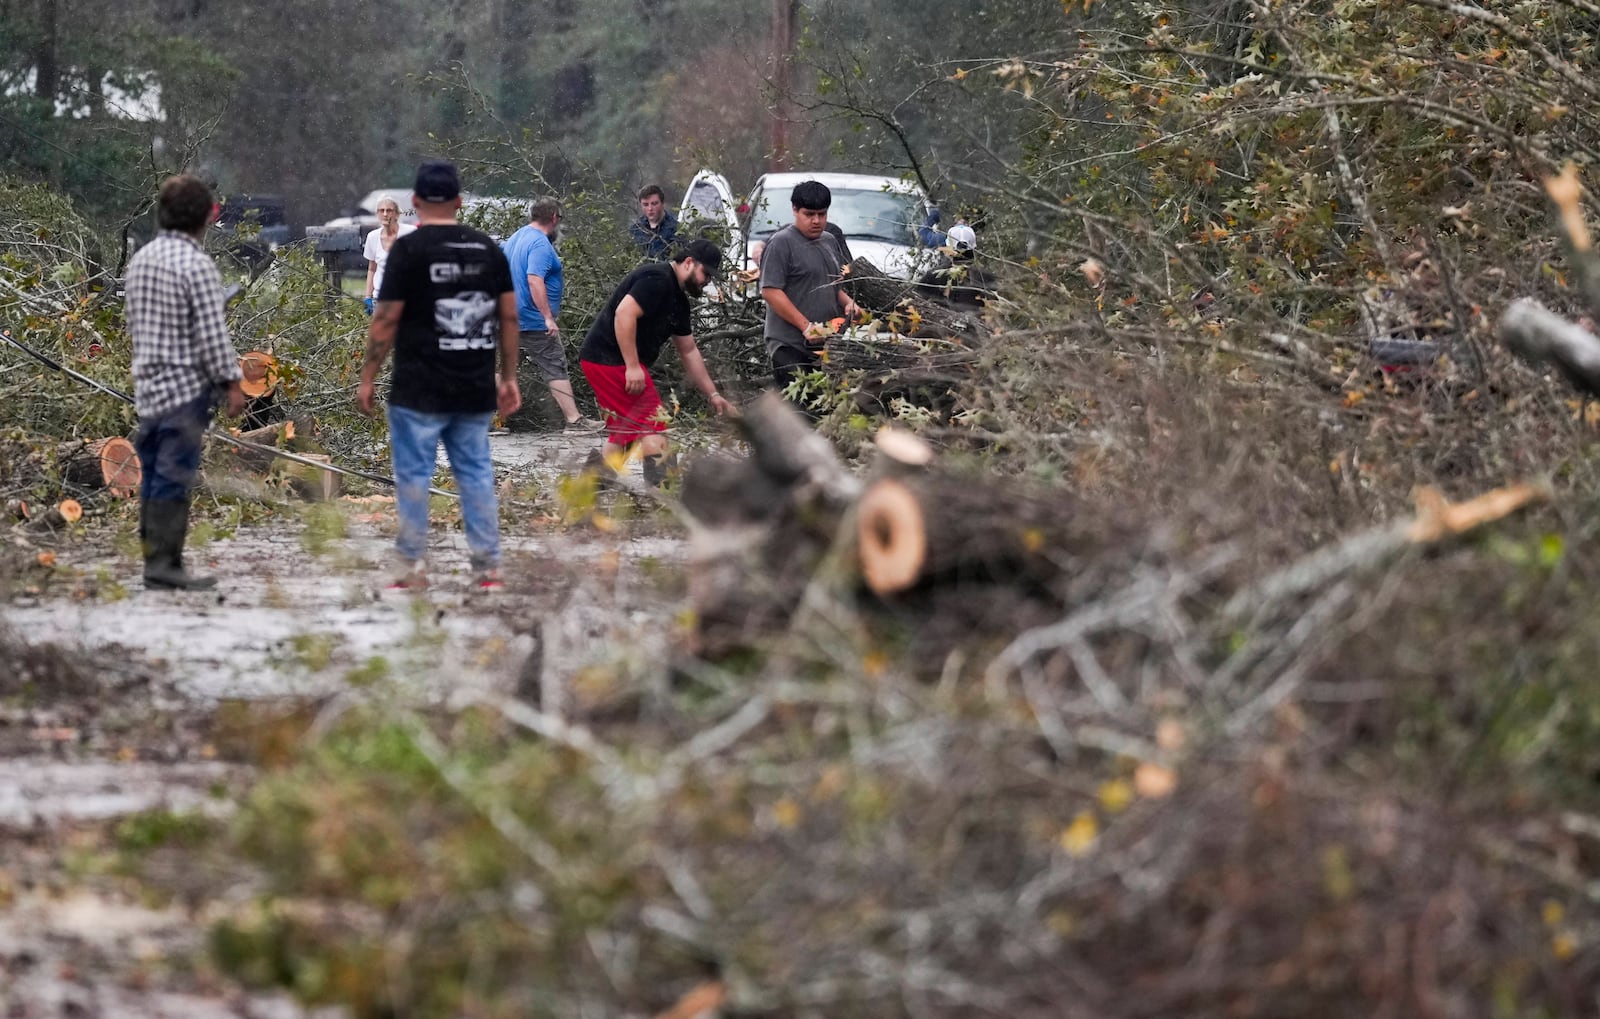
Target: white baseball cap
[962,237]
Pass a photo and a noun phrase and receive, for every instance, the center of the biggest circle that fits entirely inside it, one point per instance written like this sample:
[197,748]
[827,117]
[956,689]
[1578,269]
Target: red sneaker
[488,580]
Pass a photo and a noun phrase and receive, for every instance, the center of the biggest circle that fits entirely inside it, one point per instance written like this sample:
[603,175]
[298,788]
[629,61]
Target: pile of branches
[1155,779]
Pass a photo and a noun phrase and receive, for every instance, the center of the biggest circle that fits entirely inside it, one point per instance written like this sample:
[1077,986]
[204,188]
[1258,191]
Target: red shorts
[629,416]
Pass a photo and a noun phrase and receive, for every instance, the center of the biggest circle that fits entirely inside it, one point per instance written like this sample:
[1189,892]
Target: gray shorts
[544,352]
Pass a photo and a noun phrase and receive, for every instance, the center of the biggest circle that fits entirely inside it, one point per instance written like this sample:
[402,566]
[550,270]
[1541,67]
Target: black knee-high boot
[163,526]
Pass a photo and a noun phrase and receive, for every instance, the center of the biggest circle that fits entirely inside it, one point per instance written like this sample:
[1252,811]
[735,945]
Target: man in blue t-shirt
[537,278]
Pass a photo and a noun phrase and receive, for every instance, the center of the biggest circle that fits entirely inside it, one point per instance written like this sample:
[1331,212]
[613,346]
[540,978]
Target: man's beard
[692,287]
[555,236]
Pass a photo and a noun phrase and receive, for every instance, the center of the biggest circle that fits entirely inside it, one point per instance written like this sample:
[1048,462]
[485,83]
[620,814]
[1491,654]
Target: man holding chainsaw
[800,283]
[184,364]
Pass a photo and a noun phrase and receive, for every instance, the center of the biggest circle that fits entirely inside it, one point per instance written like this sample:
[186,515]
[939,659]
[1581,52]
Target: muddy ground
[118,701]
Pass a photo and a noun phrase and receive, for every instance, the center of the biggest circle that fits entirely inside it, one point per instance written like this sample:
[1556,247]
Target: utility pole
[785,34]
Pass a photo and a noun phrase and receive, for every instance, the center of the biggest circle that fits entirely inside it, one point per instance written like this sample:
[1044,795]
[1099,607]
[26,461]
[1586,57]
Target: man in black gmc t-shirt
[649,306]
[447,308]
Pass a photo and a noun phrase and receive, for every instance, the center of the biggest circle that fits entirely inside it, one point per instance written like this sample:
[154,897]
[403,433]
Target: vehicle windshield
[889,216]
[705,200]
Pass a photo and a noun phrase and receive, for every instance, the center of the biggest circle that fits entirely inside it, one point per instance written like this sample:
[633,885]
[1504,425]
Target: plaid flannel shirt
[181,346]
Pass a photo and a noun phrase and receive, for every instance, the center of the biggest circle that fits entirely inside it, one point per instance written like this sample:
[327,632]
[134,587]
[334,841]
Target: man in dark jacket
[656,229]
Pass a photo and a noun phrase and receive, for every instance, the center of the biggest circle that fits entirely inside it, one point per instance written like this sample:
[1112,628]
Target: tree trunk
[909,308]
[767,521]
[940,550]
[785,34]
[46,57]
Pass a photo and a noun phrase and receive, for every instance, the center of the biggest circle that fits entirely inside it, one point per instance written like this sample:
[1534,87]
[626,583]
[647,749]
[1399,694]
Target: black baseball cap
[707,254]
[437,181]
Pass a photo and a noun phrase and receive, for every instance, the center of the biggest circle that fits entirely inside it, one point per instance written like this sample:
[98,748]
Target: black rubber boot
[165,524]
[657,468]
[604,475]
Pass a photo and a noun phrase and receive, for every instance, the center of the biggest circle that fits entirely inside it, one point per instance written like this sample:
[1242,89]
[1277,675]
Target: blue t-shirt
[531,254]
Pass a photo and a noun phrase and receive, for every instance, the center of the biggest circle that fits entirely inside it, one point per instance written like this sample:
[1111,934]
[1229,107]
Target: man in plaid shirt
[183,364]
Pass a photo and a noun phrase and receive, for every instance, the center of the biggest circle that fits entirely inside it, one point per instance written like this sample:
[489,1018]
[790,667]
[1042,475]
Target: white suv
[879,215]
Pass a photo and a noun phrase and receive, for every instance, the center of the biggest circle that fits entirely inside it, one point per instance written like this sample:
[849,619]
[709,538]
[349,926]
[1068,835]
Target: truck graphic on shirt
[466,321]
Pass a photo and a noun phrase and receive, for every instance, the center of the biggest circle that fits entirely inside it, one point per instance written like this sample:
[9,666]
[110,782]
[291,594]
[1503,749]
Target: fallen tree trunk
[766,523]
[790,518]
[260,373]
[918,530]
[904,307]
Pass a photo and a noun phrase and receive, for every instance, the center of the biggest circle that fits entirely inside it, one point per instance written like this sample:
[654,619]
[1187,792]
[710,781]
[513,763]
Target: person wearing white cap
[961,237]
[961,282]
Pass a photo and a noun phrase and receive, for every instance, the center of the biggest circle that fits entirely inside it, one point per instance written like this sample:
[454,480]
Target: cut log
[17,509]
[63,513]
[891,537]
[260,371]
[932,528]
[1542,336]
[789,528]
[110,463]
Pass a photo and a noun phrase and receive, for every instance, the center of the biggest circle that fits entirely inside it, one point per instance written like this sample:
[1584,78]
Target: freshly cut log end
[260,371]
[903,447]
[892,537]
[111,463]
[67,511]
[18,509]
[1566,191]
[119,465]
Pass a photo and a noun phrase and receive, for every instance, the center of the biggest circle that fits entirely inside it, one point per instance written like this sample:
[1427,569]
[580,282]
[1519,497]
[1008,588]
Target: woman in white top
[379,241]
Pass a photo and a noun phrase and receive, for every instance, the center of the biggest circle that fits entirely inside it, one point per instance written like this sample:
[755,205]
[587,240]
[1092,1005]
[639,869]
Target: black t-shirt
[666,314]
[450,278]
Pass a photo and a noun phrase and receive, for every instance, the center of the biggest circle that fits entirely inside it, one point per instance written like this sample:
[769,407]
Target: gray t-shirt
[807,272]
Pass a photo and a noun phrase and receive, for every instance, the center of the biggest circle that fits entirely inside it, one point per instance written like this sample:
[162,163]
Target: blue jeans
[169,450]
[414,438]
